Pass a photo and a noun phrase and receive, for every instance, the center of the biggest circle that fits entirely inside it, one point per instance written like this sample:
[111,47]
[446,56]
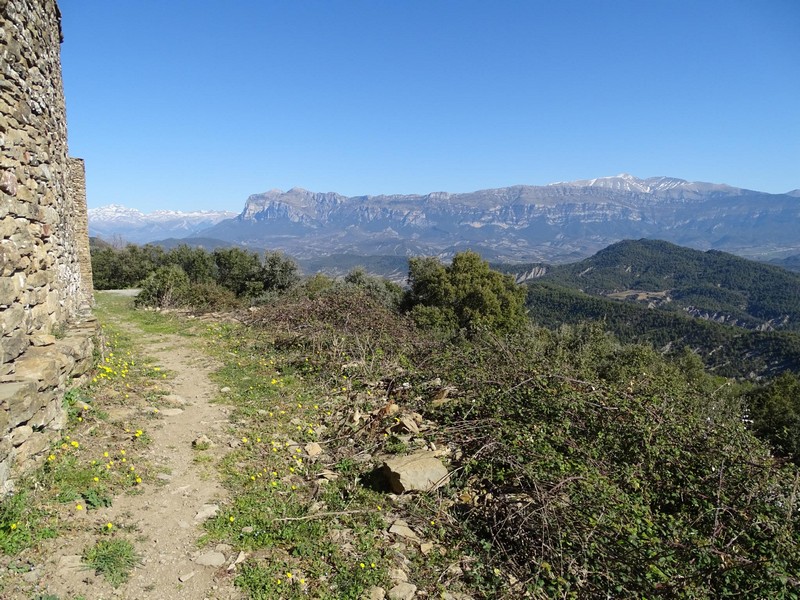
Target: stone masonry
[46,327]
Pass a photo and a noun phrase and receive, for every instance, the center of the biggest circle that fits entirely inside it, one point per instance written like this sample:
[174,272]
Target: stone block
[39,316]
[9,290]
[3,421]
[6,449]
[20,435]
[5,471]
[421,471]
[35,446]
[20,399]
[44,370]
[9,226]
[8,182]
[39,279]
[43,339]
[12,318]
[12,345]
[52,415]
[9,257]
[81,349]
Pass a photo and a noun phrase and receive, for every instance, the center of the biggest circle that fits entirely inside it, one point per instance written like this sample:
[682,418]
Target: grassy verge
[98,455]
[308,504]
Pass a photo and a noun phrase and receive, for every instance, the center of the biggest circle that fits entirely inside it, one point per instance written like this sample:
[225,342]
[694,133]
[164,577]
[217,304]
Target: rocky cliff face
[554,223]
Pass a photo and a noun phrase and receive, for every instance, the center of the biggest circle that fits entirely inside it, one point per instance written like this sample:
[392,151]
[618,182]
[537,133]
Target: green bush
[774,409]
[384,291]
[209,297]
[165,288]
[466,292]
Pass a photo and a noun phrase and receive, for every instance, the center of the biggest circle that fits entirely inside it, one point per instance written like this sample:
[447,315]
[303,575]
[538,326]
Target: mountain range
[116,223]
[556,223]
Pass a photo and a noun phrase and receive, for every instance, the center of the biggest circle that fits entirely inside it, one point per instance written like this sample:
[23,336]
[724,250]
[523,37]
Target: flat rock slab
[401,529]
[174,398]
[375,593]
[421,471]
[211,559]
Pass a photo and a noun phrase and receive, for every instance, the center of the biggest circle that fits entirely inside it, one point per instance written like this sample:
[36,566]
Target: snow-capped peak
[624,182]
[119,213]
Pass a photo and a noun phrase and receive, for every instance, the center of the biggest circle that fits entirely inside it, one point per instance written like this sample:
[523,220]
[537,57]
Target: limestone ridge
[553,223]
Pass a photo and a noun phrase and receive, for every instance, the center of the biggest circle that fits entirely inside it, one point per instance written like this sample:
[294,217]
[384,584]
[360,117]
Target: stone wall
[79,221]
[45,326]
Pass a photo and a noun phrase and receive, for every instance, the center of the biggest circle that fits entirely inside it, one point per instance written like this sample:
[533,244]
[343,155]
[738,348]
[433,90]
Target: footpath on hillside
[213,459]
[163,515]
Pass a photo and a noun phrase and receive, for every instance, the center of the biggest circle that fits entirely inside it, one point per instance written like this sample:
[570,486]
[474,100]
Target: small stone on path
[186,577]
[240,558]
[206,512]
[175,399]
[202,441]
[225,390]
[211,559]
[171,412]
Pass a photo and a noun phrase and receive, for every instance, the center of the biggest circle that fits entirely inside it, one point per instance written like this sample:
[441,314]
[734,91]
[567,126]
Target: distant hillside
[726,350]
[394,268]
[790,263]
[96,243]
[711,285]
[199,242]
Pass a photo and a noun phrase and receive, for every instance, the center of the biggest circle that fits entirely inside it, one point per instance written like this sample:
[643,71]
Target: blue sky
[197,104]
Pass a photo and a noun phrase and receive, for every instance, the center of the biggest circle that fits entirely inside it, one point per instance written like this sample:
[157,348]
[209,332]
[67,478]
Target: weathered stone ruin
[46,327]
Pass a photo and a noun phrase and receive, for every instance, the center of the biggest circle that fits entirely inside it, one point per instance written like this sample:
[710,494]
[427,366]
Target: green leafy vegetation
[114,559]
[591,452]
[185,276]
[774,409]
[465,294]
[580,466]
[93,460]
[729,351]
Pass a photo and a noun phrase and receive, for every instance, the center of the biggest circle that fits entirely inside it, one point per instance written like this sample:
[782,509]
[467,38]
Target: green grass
[95,459]
[114,559]
[23,523]
[113,307]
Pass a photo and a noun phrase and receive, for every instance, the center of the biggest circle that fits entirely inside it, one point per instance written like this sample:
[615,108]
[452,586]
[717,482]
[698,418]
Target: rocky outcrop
[45,273]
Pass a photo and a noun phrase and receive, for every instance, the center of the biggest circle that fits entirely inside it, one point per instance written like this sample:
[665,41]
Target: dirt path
[165,516]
